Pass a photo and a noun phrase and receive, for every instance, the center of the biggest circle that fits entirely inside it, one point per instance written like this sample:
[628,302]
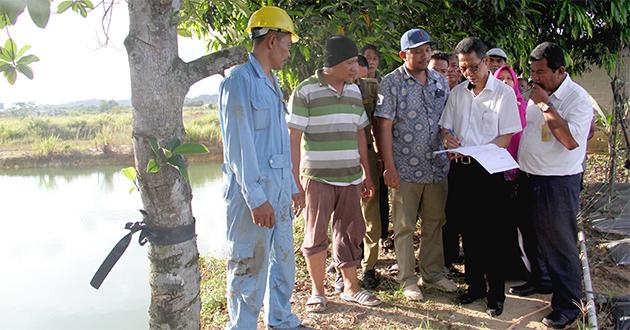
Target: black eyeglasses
[472,69]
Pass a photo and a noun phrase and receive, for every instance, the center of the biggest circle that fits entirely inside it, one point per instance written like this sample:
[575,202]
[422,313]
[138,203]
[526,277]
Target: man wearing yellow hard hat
[259,184]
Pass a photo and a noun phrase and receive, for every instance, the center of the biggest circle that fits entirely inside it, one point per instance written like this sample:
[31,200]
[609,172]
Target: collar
[491,83]
[431,75]
[563,90]
[260,74]
[319,74]
[256,65]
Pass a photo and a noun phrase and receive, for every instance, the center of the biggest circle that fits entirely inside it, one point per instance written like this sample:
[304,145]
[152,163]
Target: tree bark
[159,84]
[620,97]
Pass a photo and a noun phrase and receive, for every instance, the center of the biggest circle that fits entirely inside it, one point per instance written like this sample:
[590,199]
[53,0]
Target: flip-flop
[363,297]
[318,303]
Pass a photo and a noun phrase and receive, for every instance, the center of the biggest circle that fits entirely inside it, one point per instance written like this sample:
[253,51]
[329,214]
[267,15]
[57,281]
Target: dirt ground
[440,310]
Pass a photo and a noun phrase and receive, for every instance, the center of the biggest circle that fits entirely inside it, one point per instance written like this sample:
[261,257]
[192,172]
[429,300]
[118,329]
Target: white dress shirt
[550,157]
[479,119]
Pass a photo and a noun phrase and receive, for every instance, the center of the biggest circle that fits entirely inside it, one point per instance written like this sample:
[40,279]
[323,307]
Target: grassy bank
[74,133]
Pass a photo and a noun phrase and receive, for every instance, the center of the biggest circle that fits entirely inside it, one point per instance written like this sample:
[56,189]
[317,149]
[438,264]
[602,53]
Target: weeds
[103,131]
[47,146]
[214,313]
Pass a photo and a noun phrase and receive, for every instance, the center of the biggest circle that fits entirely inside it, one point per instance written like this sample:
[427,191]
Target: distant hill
[197,100]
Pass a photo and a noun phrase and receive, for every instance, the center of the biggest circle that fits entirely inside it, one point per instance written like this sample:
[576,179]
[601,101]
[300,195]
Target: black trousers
[475,203]
[539,276]
[555,203]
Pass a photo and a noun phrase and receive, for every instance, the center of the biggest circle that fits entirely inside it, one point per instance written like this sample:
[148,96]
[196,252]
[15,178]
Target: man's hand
[451,141]
[367,188]
[264,215]
[539,94]
[392,179]
[299,202]
[380,166]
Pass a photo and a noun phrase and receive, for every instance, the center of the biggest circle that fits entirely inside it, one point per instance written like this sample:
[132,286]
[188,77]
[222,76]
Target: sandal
[316,304]
[363,297]
[387,243]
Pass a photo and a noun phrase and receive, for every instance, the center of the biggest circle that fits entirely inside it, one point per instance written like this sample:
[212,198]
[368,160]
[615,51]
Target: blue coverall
[257,166]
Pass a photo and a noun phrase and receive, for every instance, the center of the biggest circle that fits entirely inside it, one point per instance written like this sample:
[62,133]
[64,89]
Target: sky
[73,66]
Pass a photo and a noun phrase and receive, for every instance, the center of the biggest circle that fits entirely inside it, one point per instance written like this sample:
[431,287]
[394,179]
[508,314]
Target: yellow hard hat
[273,18]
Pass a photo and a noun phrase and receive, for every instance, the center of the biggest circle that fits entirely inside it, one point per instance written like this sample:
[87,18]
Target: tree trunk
[159,83]
[620,97]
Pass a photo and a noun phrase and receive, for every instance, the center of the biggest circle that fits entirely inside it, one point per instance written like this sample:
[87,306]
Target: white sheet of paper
[493,158]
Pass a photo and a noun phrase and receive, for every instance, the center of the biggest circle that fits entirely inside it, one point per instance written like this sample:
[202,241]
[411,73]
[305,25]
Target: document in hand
[492,157]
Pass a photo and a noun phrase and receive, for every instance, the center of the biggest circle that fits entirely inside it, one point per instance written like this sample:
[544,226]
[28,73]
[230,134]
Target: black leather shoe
[494,308]
[528,289]
[557,320]
[469,297]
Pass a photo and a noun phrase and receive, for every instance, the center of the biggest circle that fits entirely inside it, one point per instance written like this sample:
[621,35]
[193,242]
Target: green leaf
[167,153]
[178,162]
[39,11]
[28,59]
[190,148]
[13,9]
[23,50]
[132,189]
[25,70]
[82,11]
[153,166]
[64,6]
[172,143]
[11,75]
[10,48]
[4,67]
[130,173]
[157,151]
[184,32]
[88,4]
[5,55]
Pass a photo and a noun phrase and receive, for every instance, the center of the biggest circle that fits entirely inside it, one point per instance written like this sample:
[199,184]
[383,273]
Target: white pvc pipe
[588,285]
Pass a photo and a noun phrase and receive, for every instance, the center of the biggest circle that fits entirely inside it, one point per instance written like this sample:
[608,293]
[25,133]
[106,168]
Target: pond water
[57,227]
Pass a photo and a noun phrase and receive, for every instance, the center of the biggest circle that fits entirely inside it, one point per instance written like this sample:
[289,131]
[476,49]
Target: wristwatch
[544,107]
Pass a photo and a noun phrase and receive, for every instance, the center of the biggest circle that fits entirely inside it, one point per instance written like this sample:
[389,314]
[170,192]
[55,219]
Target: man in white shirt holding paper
[479,111]
[551,152]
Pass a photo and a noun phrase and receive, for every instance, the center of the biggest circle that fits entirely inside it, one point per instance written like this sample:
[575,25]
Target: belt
[464,160]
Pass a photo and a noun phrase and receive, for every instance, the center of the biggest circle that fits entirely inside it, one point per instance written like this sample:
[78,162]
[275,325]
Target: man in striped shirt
[328,118]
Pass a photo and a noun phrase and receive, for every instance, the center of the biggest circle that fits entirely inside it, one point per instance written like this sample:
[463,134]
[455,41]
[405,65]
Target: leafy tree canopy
[592,32]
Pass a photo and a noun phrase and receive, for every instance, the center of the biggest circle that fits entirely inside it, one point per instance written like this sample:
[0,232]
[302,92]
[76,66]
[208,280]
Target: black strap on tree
[167,236]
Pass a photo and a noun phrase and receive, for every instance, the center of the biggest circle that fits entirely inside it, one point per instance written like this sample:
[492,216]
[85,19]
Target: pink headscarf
[512,148]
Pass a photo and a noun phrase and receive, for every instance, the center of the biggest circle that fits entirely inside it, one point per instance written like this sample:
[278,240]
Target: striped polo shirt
[330,123]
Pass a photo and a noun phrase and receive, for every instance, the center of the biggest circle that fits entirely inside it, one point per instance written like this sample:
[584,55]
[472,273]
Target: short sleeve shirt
[330,123]
[479,119]
[550,157]
[415,110]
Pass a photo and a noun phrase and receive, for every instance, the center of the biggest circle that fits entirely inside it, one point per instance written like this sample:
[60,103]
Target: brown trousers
[348,228]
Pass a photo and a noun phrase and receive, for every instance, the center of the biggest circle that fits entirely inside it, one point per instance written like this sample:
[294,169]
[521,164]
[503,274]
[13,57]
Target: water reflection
[58,226]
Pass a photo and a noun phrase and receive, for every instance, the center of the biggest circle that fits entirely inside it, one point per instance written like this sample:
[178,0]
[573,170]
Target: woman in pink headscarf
[507,75]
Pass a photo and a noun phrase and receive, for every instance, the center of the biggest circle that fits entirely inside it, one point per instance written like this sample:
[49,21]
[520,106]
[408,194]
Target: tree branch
[214,63]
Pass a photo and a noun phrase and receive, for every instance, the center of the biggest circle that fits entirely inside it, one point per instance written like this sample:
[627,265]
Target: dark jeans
[474,201]
[555,203]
